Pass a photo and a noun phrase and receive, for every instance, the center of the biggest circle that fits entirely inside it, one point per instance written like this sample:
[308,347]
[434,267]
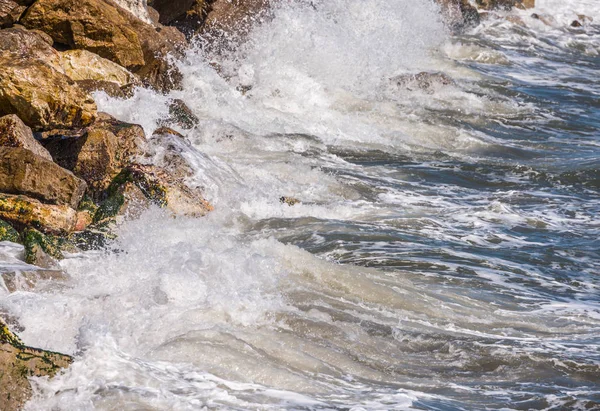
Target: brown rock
[10,13]
[20,42]
[109,87]
[229,18]
[100,153]
[19,362]
[424,81]
[27,212]
[22,172]
[186,15]
[95,25]
[505,4]
[14,133]
[41,96]
[102,27]
[85,65]
[29,280]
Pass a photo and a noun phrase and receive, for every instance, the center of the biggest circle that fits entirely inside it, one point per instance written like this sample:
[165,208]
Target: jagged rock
[100,153]
[459,13]
[181,115]
[109,87]
[28,280]
[186,15]
[427,82]
[20,42]
[19,362]
[125,200]
[41,96]
[14,133]
[102,27]
[94,25]
[28,212]
[22,172]
[8,233]
[228,18]
[84,65]
[41,250]
[10,13]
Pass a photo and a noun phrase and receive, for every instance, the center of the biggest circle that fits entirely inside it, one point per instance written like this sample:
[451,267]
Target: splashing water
[444,254]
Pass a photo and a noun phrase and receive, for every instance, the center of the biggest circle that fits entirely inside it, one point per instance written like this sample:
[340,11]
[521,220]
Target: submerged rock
[424,81]
[23,172]
[19,362]
[14,133]
[459,13]
[181,115]
[28,212]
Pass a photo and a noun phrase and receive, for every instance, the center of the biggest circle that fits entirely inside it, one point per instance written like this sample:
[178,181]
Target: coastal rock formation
[17,363]
[186,15]
[27,212]
[82,65]
[23,172]
[10,12]
[41,96]
[102,27]
[14,133]
[93,25]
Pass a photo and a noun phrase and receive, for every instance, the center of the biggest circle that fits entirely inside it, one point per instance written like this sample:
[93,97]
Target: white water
[223,313]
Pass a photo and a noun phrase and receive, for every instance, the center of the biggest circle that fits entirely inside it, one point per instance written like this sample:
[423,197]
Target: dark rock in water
[10,12]
[23,172]
[576,23]
[180,115]
[8,233]
[13,133]
[505,4]
[28,212]
[29,280]
[186,15]
[427,82]
[109,87]
[100,153]
[289,200]
[459,13]
[41,96]
[41,250]
[19,362]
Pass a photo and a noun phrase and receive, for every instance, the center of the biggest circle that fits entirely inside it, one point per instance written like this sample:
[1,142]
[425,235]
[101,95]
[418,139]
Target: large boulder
[41,96]
[81,65]
[10,12]
[22,172]
[14,133]
[104,28]
[459,14]
[23,211]
[186,15]
[19,362]
[95,25]
[100,153]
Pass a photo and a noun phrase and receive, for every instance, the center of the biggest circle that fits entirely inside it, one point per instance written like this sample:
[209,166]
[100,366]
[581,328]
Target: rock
[28,212]
[109,87]
[427,82]
[41,250]
[186,15]
[82,65]
[180,115]
[576,23]
[228,19]
[289,200]
[100,153]
[138,8]
[8,233]
[22,43]
[102,27]
[505,4]
[94,25]
[9,13]
[28,280]
[22,172]
[126,201]
[459,13]
[14,133]
[41,96]
[19,362]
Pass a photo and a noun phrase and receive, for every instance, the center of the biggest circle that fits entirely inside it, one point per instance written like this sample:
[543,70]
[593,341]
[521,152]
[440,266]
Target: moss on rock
[8,233]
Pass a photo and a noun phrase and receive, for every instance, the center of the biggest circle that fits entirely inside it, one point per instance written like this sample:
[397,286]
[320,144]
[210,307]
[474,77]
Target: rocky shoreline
[68,173]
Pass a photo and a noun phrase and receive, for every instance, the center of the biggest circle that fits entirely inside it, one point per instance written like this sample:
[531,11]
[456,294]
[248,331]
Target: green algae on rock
[8,233]
[18,362]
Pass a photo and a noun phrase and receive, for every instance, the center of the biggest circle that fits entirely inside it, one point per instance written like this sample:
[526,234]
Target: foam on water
[439,258]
